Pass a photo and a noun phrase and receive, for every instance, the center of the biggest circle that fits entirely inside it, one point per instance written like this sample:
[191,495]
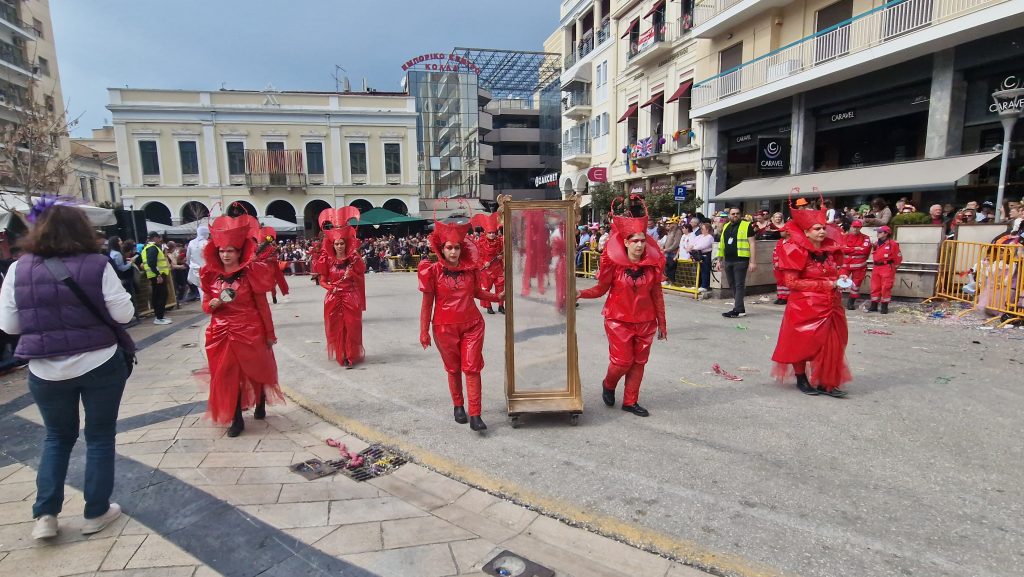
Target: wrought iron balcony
[266,169]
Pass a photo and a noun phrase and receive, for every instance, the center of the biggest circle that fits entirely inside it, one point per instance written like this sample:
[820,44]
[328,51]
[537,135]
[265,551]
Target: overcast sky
[246,44]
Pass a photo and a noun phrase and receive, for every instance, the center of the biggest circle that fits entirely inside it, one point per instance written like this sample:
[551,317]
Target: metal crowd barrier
[687,278]
[586,263]
[985,276]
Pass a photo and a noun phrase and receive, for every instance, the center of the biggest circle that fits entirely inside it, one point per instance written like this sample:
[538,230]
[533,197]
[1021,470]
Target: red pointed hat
[627,225]
[338,217]
[233,230]
[268,234]
[804,219]
[488,222]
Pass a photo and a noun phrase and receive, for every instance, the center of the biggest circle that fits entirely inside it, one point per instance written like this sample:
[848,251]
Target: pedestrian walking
[736,256]
[240,337]
[631,272]
[813,329]
[342,273]
[856,250]
[886,258]
[158,271]
[194,259]
[449,287]
[67,303]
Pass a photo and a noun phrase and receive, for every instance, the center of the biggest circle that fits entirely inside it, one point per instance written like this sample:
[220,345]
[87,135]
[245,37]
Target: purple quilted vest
[53,321]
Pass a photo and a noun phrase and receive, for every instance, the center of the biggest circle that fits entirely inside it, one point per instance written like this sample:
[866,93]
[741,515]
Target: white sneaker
[161,321]
[100,523]
[46,527]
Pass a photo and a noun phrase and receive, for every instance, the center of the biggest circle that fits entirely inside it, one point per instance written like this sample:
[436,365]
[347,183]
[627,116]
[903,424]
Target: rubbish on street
[722,373]
[943,380]
[878,332]
[741,327]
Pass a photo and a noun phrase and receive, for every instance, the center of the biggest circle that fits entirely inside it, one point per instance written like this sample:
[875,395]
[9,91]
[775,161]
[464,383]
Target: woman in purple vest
[73,358]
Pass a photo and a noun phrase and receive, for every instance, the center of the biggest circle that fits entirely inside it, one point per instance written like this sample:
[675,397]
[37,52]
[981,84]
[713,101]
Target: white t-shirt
[62,368]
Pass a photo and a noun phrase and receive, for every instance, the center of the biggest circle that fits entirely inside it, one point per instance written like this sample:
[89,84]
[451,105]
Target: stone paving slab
[414,522]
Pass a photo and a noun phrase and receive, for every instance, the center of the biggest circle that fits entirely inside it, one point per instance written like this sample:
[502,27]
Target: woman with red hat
[343,273]
[240,336]
[267,252]
[490,248]
[631,269]
[814,324]
[449,287]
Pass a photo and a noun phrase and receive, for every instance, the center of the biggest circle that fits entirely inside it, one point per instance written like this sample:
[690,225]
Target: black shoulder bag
[60,271]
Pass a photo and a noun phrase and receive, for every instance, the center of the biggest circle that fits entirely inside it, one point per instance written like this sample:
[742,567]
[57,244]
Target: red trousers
[781,290]
[857,276]
[461,347]
[629,347]
[492,276]
[883,277]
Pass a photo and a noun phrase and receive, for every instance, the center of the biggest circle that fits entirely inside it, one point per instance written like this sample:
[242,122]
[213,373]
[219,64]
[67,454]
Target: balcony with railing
[266,169]
[651,44]
[13,58]
[576,151]
[576,104]
[10,19]
[587,44]
[804,64]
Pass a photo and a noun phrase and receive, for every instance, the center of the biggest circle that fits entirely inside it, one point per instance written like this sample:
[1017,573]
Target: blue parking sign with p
[680,191]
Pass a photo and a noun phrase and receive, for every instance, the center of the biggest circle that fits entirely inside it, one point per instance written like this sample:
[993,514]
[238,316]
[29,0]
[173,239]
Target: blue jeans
[100,391]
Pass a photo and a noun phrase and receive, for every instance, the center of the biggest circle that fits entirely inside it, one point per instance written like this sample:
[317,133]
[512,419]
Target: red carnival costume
[267,252]
[886,258]
[448,294]
[856,248]
[781,290]
[243,371]
[814,325]
[345,281]
[491,254]
[634,310]
[558,247]
[535,246]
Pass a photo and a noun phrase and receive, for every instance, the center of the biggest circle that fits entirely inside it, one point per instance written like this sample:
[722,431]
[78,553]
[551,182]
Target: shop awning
[654,8]
[379,216]
[635,22]
[629,112]
[655,98]
[933,174]
[680,92]
[582,74]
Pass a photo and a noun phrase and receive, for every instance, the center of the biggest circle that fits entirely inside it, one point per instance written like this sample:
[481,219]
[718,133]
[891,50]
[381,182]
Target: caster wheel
[514,421]
[574,420]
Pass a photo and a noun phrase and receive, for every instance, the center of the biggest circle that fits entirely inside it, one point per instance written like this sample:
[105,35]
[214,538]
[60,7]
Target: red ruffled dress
[814,324]
[241,361]
[633,312]
[345,281]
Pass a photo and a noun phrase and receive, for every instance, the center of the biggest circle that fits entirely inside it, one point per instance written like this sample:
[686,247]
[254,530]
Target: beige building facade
[94,167]
[185,154]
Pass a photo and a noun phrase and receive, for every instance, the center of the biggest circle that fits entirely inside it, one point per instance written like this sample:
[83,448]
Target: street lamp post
[708,166]
[1009,104]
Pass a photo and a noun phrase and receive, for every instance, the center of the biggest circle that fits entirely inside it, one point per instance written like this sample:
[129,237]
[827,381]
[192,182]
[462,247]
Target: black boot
[260,412]
[490,310]
[460,416]
[874,307]
[836,393]
[805,385]
[477,424]
[237,425]
[501,309]
[608,396]
[851,304]
[885,308]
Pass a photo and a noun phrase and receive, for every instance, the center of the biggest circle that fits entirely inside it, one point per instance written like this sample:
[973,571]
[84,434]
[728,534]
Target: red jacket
[887,252]
[636,295]
[856,248]
[779,247]
[489,252]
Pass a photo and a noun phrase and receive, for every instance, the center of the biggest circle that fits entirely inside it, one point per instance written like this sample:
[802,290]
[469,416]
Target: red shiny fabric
[492,265]
[781,290]
[473,386]
[461,346]
[814,324]
[269,256]
[241,361]
[454,290]
[537,252]
[343,306]
[886,258]
[629,343]
[856,249]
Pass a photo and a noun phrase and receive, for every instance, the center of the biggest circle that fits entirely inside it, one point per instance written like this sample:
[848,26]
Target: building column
[125,164]
[801,137]
[336,172]
[339,201]
[945,107]
[579,33]
[712,148]
[210,148]
[597,21]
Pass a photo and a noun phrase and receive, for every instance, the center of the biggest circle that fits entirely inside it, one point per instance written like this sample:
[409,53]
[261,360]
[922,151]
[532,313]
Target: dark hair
[153,234]
[61,231]
[114,243]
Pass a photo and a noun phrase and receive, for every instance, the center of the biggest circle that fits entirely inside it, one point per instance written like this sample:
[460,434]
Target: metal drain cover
[377,462]
[508,564]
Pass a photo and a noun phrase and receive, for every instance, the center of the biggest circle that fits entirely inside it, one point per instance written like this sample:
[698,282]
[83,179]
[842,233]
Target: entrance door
[276,163]
[836,41]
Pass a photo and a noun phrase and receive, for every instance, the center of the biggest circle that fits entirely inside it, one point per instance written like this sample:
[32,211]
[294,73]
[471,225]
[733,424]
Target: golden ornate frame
[570,399]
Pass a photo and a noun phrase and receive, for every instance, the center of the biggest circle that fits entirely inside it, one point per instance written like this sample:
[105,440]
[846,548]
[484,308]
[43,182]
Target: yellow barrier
[985,276]
[687,278]
[587,264]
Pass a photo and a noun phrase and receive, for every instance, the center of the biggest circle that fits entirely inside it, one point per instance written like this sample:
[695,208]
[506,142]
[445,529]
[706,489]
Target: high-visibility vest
[742,242]
[162,266]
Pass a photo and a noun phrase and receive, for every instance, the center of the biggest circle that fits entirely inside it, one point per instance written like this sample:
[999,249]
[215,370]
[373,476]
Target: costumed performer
[490,248]
[856,250]
[240,336]
[342,271]
[449,287]
[267,252]
[631,272]
[813,326]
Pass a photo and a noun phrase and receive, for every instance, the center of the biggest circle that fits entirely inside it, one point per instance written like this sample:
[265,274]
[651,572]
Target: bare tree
[31,160]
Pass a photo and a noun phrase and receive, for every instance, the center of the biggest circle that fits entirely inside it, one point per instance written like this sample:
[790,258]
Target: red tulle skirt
[242,366]
[813,331]
[343,323]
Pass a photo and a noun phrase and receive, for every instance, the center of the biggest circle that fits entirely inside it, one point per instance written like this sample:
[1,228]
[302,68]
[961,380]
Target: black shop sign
[772,154]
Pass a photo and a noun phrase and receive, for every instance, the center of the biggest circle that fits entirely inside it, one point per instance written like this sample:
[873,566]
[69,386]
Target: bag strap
[60,272]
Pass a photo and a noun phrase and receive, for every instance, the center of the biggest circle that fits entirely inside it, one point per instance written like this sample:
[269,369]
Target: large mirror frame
[522,398]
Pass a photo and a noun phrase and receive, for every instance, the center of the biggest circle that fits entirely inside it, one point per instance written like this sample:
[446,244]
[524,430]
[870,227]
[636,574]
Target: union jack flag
[645,147]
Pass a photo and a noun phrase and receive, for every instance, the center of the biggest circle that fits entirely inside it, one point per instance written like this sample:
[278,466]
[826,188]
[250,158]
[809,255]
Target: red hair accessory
[233,231]
[807,218]
[627,225]
[488,222]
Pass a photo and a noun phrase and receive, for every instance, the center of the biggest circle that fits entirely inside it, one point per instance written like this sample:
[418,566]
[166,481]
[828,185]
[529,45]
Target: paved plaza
[918,472]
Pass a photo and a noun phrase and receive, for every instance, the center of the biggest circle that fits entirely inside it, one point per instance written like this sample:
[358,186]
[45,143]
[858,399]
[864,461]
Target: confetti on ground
[314,342]
[718,370]
[693,384]
[877,332]
[943,380]
[741,327]
[748,369]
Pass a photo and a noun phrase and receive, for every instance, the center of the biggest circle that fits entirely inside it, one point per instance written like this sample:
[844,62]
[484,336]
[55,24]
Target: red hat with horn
[807,218]
[268,234]
[488,222]
[454,233]
[238,232]
[625,224]
[336,223]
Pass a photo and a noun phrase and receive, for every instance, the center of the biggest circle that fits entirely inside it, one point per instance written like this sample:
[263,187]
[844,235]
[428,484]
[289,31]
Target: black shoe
[237,425]
[636,410]
[490,311]
[734,314]
[885,308]
[805,385]
[460,416]
[851,304]
[501,309]
[477,424]
[608,396]
[836,393]
[780,301]
[874,307]
[260,412]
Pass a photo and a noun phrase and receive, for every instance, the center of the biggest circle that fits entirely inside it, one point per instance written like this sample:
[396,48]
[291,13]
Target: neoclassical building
[186,154]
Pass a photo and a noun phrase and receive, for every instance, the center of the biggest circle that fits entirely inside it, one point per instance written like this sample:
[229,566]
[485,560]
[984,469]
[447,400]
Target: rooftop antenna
[337,77]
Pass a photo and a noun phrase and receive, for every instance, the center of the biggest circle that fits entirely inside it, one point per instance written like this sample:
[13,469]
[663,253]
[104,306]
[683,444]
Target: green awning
[379,216]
